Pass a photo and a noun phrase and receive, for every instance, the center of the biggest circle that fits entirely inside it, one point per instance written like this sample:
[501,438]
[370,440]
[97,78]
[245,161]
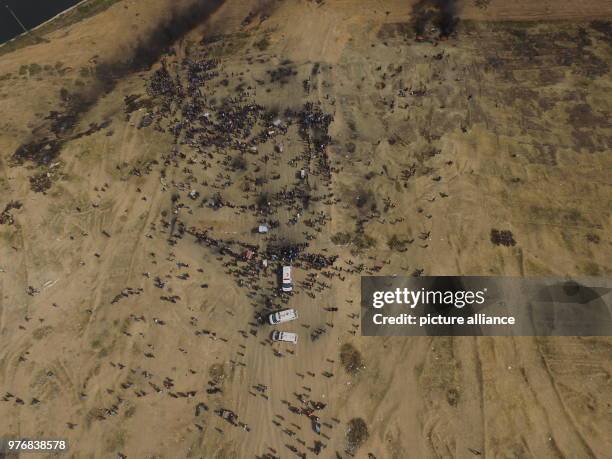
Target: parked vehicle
[284,336]
[287,280]
[286,315]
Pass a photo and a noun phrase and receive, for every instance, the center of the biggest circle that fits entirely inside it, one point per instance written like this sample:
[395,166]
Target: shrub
[341,238]
[356,433]
[351,359]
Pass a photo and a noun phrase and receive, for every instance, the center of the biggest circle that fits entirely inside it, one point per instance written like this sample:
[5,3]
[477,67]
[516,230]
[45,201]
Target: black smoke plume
[58,128]
[439,15]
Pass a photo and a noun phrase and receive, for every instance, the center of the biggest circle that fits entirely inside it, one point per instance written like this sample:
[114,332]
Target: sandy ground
[504,126]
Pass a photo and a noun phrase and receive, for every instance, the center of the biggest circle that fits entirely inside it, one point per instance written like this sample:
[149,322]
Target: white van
[284,336]
[286,315]
[287,282]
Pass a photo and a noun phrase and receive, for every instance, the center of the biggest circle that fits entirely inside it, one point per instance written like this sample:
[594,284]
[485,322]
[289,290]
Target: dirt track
[505,125]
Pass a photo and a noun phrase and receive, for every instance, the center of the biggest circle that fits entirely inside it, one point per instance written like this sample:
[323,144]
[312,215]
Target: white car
[286,315]
[287,281]
[284,336]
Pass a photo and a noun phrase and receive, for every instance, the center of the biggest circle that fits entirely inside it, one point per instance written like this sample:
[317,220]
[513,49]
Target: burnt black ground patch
[48,139]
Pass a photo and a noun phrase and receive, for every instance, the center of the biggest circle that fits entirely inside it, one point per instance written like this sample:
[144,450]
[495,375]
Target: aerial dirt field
[141,146]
